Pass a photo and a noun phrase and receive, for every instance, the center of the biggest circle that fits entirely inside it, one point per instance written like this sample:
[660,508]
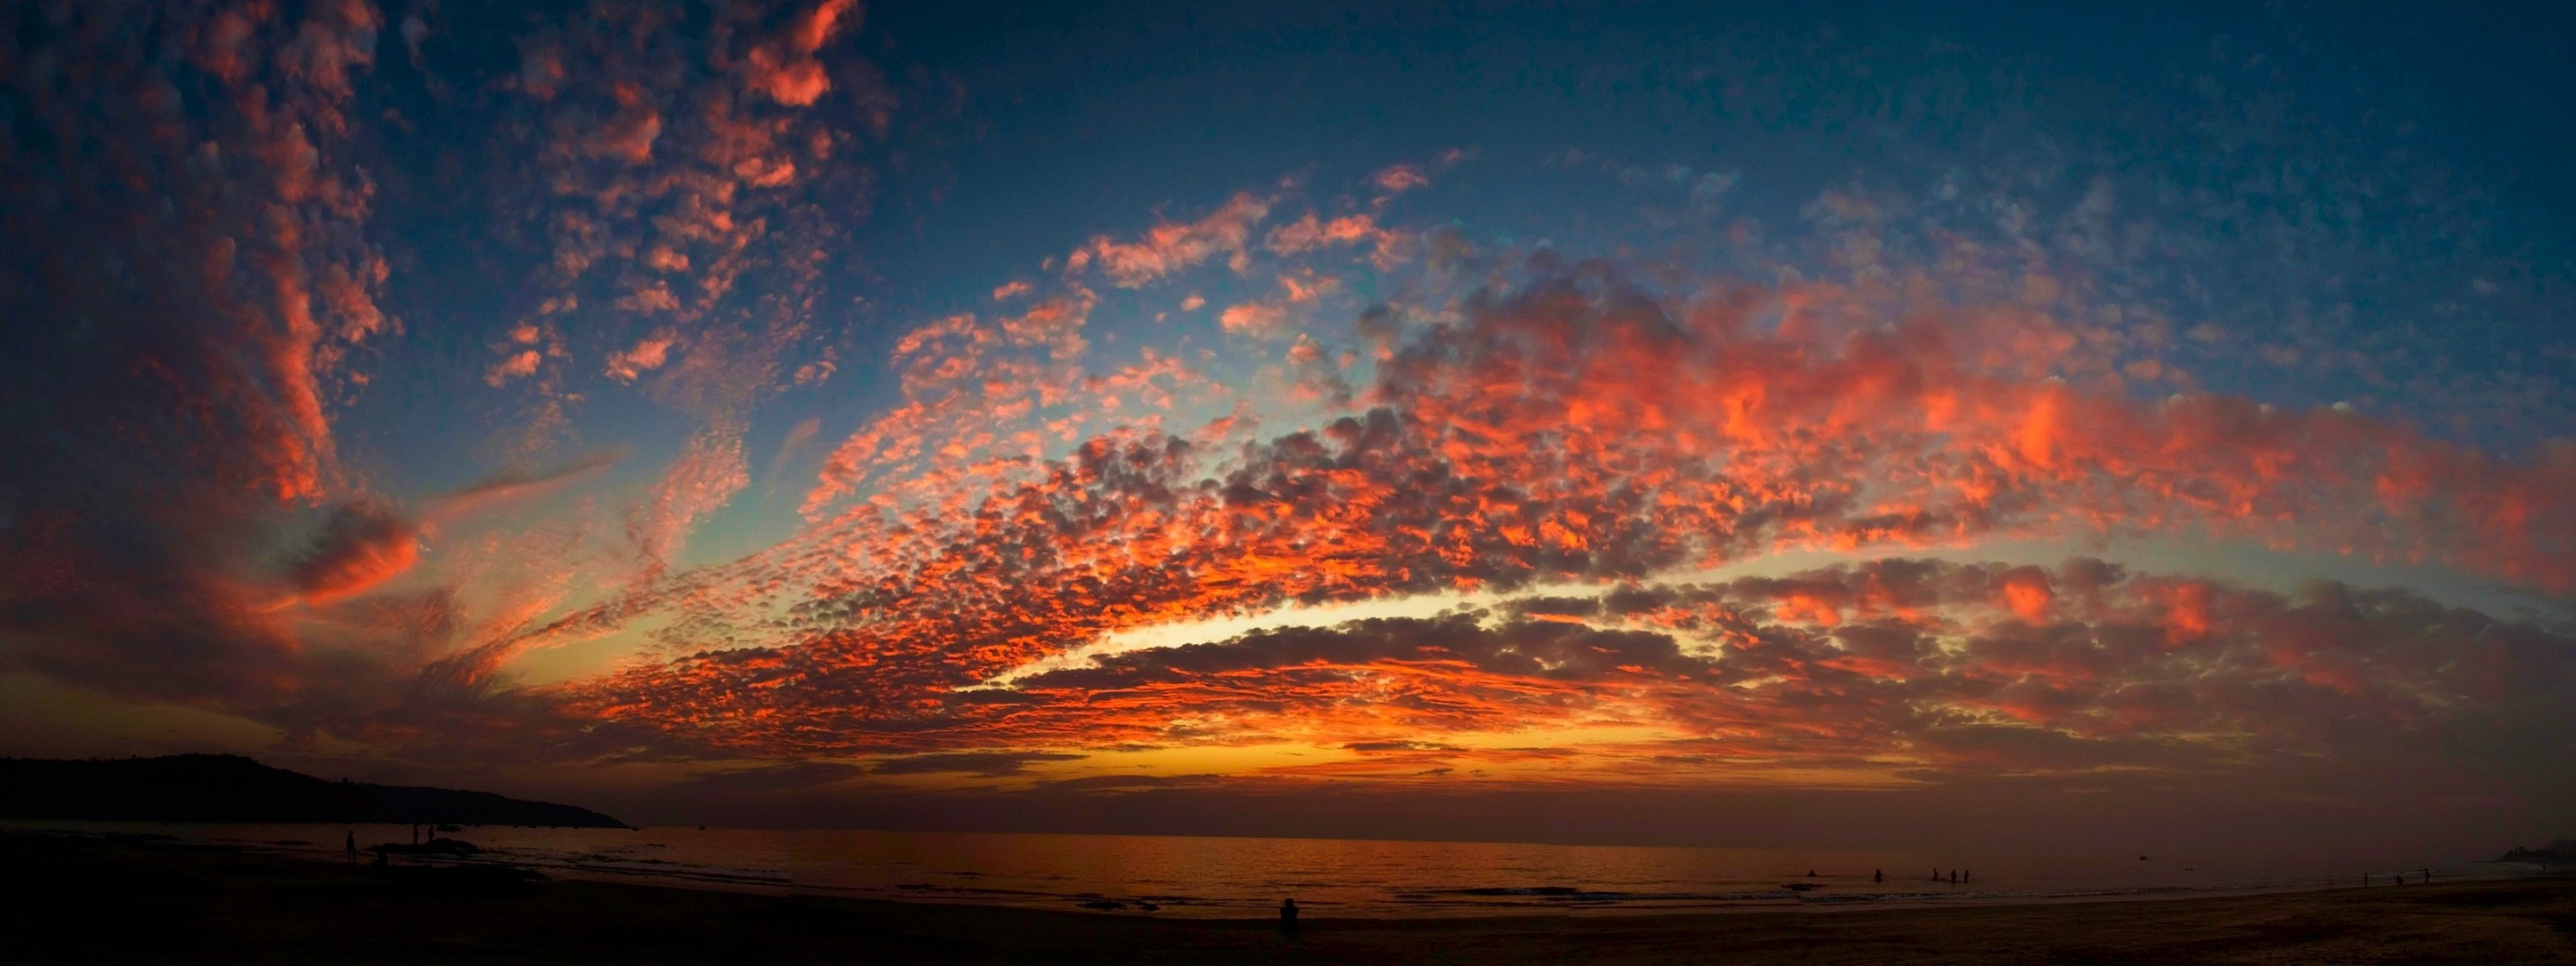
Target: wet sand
[97,900]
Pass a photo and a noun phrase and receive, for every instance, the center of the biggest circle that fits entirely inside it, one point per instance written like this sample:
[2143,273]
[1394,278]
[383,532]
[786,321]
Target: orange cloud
[645,356]
[1553,433]
[1309,234]
[784,67]
[1170,246]
[362,545]
[518,365]
[1252,317]
[1400,178]
[1932,683]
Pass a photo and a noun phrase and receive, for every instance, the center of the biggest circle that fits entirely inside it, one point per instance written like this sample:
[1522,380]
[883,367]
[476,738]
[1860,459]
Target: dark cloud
[192,289]
[362,544]
[1127,782]
[1555,606]
[798,776]
[1927,671]
[982,764]
[1578,426]
[1540,649]
[222,212]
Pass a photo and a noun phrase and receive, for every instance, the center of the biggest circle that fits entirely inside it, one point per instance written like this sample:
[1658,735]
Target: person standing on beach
[1877,875]
[353,848]
[1288,916]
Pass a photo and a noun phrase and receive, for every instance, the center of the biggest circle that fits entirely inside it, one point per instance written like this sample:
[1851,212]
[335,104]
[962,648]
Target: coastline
[138,900]
[1238,878]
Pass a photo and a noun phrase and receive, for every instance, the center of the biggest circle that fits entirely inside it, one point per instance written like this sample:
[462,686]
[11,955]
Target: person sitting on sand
[1288,915]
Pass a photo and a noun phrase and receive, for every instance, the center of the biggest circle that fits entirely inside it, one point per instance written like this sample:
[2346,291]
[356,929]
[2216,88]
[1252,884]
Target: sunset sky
[1648,424]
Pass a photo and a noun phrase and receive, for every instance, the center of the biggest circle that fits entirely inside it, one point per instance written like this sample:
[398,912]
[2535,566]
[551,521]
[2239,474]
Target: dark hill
[2561,852]
[231,788]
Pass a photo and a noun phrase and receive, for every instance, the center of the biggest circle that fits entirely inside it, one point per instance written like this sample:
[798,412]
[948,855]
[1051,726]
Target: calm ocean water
[1238,877]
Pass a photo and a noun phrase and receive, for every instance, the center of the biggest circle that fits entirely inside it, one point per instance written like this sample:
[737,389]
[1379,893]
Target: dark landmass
[2561,852]
[134,900]
[231,788]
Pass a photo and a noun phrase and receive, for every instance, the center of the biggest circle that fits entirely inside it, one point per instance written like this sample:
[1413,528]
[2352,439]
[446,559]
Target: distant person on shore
[1288,916]
[1969,876]
[1954,877]
[1877,875]
[353,848]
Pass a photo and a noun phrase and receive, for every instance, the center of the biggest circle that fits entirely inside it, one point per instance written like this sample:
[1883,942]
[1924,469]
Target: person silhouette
[1288,916]
[1811,873]
[1954,877]
[1969,876]
[353,848]
[1877,875]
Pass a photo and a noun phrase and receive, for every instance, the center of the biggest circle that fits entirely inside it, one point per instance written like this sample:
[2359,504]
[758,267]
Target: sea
[1218,877]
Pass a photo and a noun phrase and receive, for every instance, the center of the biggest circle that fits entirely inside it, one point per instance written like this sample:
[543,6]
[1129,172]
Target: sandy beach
[129,900]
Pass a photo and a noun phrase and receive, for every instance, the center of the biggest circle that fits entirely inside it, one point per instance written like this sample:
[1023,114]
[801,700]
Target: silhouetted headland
[231,788]
[2561,852]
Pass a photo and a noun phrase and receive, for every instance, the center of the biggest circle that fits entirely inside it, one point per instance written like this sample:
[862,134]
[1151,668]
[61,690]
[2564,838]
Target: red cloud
[1400,178]
[1309,234]
[1171,246]
[194,281]
[1575,430]
[697,227]
[1933,675]
[362,545]
[784,67]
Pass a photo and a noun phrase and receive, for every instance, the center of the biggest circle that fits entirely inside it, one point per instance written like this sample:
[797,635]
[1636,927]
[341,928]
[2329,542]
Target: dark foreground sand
[88,900]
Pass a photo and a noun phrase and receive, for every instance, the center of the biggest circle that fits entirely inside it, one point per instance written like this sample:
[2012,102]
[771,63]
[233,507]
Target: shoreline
[1843,893]
[147,901]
